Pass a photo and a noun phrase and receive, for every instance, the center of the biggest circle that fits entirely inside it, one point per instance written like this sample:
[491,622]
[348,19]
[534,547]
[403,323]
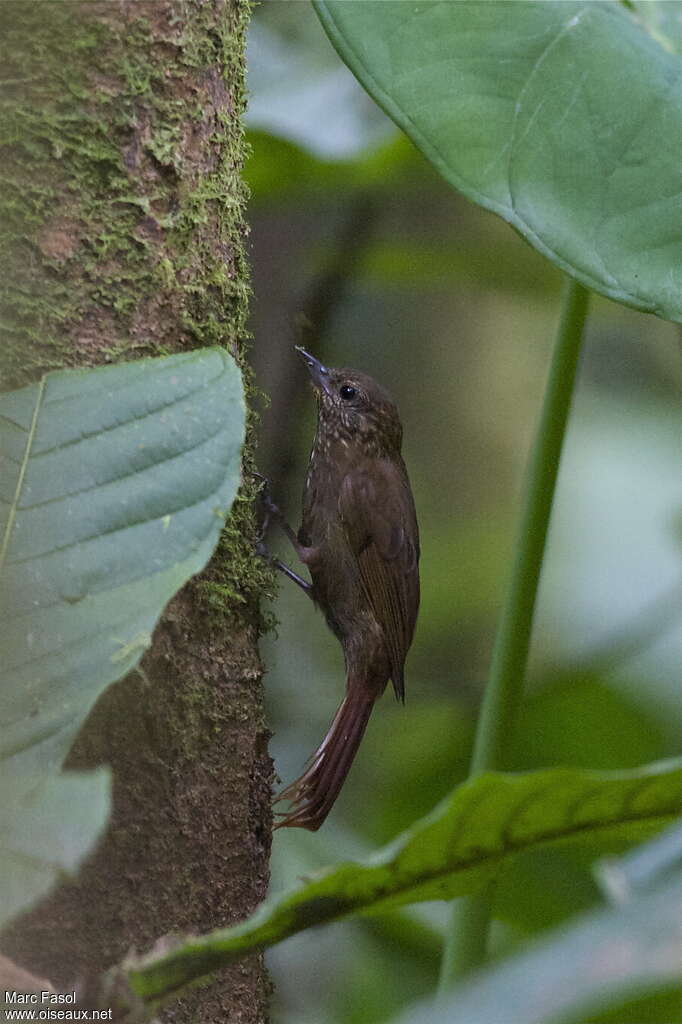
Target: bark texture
[122,209]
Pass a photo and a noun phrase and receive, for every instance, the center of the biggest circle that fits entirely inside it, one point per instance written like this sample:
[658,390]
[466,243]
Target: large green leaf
[564,118]
[115,483]
[452,852]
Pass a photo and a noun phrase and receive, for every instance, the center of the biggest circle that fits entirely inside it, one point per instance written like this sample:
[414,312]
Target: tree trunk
[122,213]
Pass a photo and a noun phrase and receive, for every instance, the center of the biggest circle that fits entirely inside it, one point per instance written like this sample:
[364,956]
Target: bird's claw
[269,505]
[271,511]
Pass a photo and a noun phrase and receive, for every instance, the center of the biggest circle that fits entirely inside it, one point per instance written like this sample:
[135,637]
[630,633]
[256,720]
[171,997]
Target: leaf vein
[127,476]
[126,422]
[119,529]
[22,472]
[13,423]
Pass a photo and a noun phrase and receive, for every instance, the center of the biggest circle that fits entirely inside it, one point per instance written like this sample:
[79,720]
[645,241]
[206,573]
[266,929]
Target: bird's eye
[347,392]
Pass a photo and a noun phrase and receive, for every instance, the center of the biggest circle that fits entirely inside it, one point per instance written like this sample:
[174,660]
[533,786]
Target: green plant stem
[466,939]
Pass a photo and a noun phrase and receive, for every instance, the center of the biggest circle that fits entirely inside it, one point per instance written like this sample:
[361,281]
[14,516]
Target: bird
[359,540]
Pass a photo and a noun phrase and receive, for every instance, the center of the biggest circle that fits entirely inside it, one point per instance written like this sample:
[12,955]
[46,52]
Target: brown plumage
[360,542]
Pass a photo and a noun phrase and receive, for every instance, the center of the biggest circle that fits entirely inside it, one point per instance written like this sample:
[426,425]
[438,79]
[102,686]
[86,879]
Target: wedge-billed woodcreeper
[360,542]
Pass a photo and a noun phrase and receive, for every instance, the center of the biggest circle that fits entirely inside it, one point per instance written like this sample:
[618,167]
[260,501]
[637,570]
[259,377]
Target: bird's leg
[272,512]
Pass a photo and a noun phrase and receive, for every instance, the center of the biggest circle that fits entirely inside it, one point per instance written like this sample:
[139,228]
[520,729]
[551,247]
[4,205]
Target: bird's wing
[377,512]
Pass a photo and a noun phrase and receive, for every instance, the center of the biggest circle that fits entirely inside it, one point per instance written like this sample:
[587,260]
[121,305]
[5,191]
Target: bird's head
[353,409]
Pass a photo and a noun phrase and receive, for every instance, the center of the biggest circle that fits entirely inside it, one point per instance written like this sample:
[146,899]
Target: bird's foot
[270,511]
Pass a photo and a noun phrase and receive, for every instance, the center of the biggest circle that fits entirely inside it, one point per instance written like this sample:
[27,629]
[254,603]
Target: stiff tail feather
[313,794]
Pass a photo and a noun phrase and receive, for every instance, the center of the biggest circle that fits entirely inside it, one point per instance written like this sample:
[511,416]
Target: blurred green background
[360,250]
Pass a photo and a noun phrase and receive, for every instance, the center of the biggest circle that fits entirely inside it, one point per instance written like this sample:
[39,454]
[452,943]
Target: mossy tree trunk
[122,236]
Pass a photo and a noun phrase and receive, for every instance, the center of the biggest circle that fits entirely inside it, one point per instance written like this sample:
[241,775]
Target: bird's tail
[313,794]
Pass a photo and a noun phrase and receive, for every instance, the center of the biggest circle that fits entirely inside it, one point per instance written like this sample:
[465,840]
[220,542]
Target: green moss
[95,137]
[105,208]
[236,575]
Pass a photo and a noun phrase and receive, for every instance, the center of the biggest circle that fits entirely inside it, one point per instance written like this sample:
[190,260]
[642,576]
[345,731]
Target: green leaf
[609,957]
[454,851]
[46,835]
[663,21]
[561,117]
[114,486]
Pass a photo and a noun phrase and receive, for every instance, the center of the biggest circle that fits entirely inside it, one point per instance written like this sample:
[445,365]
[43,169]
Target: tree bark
[123,227]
